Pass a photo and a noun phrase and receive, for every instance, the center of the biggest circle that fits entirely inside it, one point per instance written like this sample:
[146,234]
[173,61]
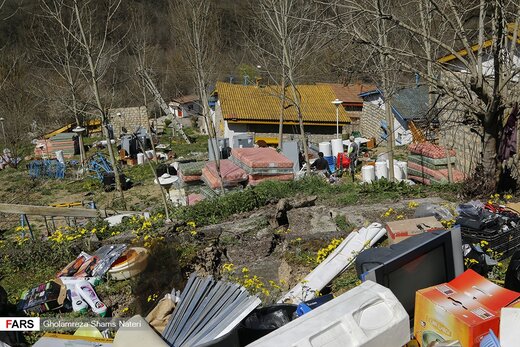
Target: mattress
[438,175]
[230,172]
[430,150]
[261,158]
[194,198]
[256,179]
[192,169]
[432,163]
[188,179]
[262,170]
[419,179]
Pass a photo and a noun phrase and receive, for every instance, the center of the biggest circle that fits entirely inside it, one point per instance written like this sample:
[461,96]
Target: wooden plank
[58,211]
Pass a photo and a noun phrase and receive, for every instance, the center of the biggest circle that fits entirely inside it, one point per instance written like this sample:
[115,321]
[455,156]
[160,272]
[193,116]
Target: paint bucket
[325,148]
[337,146]
[140,158]
[381,170]
[368,174]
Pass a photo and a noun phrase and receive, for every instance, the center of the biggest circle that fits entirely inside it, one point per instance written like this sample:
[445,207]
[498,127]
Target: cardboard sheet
[403,229]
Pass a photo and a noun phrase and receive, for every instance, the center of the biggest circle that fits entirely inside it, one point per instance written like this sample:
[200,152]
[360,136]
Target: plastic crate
[505,242]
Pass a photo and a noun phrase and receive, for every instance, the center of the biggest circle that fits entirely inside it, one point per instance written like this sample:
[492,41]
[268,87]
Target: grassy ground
[40,260]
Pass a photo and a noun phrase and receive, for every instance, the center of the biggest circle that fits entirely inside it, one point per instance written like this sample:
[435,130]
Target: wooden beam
[58,211]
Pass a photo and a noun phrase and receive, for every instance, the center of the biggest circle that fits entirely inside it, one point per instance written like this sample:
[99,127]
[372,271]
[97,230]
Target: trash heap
[497,226]
[73,287]
[428,164]
[263,164]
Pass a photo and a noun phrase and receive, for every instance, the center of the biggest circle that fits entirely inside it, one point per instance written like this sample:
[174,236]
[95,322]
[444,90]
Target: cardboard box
[403,229]
[44,297]
[463,309]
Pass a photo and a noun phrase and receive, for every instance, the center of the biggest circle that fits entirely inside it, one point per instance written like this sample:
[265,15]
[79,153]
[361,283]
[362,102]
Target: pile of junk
[431,284]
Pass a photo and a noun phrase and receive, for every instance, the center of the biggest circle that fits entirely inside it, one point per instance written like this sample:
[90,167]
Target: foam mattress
[429,150]
[229,171]
[256,179]
[261,158]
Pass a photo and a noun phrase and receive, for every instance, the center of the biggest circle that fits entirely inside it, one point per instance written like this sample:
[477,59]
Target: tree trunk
[103,115]
[490,162]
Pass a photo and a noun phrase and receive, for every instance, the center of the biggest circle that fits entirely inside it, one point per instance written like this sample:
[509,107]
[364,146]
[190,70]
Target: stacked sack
[232,175]
[263,164]
[428,164]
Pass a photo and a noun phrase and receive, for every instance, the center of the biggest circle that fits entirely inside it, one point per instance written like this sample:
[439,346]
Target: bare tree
[99,45]
[141,50]
[288,33]
[196,27]
[478,72]
[59,51]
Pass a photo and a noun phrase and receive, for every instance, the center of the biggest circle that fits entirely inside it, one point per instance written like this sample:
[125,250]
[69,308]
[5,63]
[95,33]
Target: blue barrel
[332,163]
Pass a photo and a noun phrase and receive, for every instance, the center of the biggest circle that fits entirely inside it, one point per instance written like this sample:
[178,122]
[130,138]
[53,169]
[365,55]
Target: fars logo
[19,323]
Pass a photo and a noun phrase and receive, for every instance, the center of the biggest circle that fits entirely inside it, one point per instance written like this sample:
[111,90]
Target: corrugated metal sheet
[254,103]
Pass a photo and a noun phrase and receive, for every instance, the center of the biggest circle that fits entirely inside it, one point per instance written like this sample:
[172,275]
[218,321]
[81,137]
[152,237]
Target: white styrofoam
[404,168]
[509,332]
[398,173]
[366,316]
[368,173]
[337,262]
[60,157]
[325,148]
[140,158]
[381,169]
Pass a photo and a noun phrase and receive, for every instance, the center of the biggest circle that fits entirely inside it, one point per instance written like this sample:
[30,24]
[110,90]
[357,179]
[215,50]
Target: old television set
[418,262]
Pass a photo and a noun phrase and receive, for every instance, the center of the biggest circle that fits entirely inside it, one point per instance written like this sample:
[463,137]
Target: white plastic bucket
[381,170]
[325,148]
[337,146]
[140,158]
[368,173]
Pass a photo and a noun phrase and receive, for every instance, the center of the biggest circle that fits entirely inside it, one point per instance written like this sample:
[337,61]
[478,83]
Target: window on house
[354,108]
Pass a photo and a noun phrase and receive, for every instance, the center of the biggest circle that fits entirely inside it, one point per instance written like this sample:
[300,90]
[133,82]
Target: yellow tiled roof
[262,104]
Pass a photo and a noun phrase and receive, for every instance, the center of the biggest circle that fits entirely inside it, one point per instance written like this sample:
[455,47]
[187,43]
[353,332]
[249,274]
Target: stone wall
[453,134]
[130,118]
[370,121]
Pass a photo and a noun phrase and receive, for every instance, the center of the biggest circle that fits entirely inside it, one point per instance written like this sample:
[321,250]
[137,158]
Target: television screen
[418,262]
[425,271]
